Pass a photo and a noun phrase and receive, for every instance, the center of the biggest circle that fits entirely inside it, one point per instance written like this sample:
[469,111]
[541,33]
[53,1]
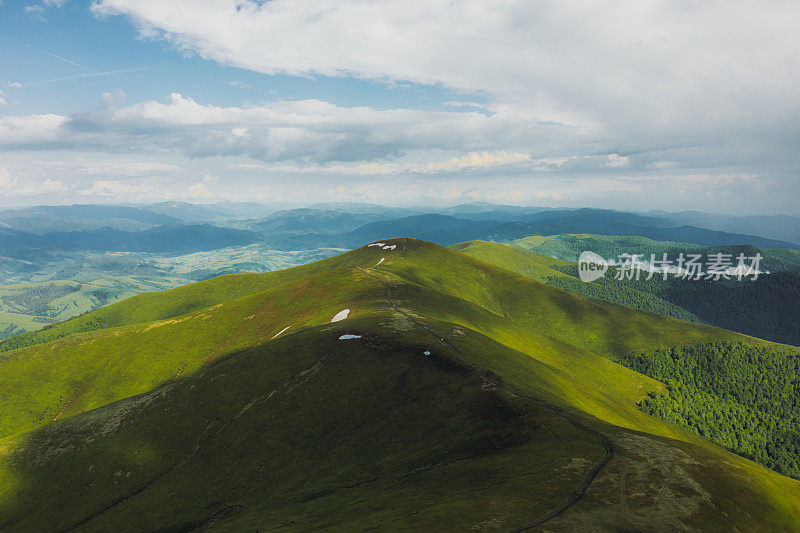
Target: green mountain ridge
[754,307]
[235,404]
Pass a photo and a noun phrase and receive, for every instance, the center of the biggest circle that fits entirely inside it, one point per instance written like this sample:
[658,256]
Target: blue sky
[109,57]
[663,106]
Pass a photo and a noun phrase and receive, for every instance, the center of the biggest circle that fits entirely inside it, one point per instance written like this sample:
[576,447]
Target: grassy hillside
[474,397]
[30,306]
[569,247]
[757,308]
[563,275]
[26,307]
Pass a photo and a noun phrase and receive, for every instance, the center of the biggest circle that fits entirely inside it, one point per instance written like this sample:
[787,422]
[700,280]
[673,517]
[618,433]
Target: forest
[745,398]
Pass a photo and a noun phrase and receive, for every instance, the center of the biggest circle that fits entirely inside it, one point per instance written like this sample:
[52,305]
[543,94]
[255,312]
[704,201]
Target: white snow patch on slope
[341,315]
[379,244]
[281,331]
[392,247]
[381,261]
[426,352]
[349,336]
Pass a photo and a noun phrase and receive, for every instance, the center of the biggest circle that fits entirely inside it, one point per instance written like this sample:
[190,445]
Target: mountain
[446,229]
[783,227]
[753,307]
[183,211]
[570,247]
[160,239]
[44,219]
[402,386]
[606,222]
[308,220]
[361,208]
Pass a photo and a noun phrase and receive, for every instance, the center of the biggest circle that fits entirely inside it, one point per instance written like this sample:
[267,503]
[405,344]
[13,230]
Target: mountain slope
[250,412]
[570,247]
[753,307]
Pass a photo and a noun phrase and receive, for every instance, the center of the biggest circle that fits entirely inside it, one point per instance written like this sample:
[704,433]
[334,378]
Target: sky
[673,105]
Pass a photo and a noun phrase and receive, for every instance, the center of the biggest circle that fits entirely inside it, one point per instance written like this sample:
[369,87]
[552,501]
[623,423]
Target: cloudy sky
[632,105]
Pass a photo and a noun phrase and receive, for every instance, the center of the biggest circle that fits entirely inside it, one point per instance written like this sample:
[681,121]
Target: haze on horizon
[633,106]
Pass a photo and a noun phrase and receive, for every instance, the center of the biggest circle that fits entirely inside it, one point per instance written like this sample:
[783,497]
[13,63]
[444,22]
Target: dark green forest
[744,398]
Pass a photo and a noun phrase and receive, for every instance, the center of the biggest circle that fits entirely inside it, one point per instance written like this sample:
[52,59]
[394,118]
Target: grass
[569,247]
[179,409]
[753,307]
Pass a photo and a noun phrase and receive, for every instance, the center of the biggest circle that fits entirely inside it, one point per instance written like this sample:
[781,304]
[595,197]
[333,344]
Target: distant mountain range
[447,230]
[176,227]
[160,239]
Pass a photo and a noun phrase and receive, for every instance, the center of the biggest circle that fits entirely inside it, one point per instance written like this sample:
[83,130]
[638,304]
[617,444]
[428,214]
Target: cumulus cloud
[646,68]
[11,185]
[7,181]
[476,159]
[311,131]
[555,100]
[199,190]
[118,189]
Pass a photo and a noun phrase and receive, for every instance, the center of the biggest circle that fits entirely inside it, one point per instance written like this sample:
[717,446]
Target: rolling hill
[401,386]
[759,308]
[569,247]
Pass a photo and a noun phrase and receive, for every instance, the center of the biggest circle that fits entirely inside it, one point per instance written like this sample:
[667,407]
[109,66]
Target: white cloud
[553,98]
[36,129]
[476,159]
[2,99]
[310,131]
[7,181]
[199,190]
[125,168]
[53,185]
[654,68]
[12,186]
[471,160]
[118,189]
[239,84]
[15,85]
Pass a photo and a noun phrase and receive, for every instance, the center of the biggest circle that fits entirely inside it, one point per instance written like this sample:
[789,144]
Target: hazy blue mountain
[43,219]
[161,239]
[782,227]
[605,222]
[373,209]
[447,230]
[244,209]
[309,220]
[185,212]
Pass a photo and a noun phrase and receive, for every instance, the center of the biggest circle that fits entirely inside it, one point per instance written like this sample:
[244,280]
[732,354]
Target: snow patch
[381,261]
[392,247]
[341,315]
[281,331]
[349,336]
[426,352]
[379,244]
